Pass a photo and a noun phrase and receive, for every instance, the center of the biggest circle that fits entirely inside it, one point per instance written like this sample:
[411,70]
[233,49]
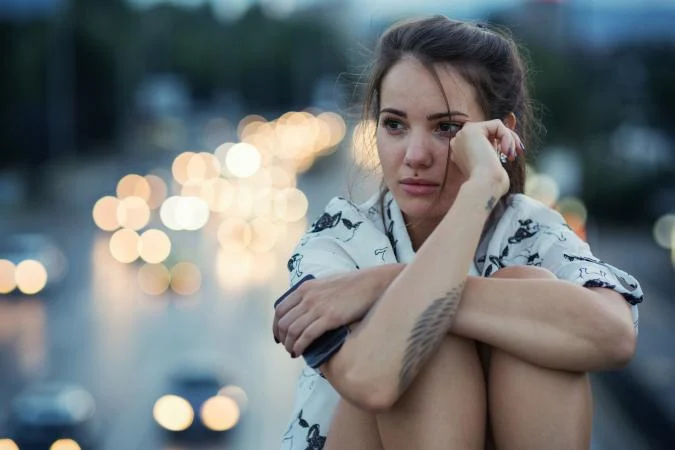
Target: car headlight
[220,413]
[65,444]
[173,413]
[8,444]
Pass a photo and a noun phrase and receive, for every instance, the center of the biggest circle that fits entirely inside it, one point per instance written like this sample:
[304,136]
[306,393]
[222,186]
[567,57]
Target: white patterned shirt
[347,237]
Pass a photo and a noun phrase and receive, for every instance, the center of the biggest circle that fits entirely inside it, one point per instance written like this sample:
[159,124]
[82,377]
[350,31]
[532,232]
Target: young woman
[475,313]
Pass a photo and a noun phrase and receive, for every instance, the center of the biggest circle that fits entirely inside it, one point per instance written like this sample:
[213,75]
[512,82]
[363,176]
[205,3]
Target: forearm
[549,323]
[417,309]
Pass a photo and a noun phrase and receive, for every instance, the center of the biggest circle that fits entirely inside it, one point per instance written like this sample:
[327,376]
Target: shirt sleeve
[320,256]
[556,247]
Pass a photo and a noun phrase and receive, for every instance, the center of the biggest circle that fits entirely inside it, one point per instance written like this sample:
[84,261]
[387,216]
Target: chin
[422,208]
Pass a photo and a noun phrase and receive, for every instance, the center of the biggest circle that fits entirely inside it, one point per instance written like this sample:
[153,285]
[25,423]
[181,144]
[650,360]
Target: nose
[418,154]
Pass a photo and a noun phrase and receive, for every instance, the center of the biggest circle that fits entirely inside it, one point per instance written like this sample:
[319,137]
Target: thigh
[353,428]
[445,407]
[531,407]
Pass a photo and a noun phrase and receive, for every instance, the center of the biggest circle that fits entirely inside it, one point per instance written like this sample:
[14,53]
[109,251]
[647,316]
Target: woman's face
[413,134]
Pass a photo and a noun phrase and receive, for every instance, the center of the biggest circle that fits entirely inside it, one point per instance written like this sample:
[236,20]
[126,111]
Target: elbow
[616,347]
[623,348]
[372,395]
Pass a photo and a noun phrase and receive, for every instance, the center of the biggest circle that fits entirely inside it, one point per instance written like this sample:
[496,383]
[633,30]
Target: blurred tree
[92,57]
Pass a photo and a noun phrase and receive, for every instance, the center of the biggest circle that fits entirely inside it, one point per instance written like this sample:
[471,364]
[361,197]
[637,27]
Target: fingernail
[293,355]
[276,340]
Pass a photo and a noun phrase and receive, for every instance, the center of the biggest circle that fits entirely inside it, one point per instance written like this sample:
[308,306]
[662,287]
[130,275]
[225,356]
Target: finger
[296,329]
[496,130]
[311,333]
[508,144]
[519,147]
[285,322]
[290,302]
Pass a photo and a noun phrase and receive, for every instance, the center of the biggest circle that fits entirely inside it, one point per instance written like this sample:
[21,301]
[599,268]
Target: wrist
[490,181]
[383,277]
[484,190]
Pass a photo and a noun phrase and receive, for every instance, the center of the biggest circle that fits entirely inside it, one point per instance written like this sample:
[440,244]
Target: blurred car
[194,405]
[49,412]
[29,263]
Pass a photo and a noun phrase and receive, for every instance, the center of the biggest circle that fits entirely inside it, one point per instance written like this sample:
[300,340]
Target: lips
[418,182]
[418,187]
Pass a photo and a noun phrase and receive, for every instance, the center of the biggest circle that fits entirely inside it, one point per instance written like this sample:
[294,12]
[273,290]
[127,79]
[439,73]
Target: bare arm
[549,323]
[379,361]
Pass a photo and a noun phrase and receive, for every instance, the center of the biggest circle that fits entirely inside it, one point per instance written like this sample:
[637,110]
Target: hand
[476,148]
[324,304]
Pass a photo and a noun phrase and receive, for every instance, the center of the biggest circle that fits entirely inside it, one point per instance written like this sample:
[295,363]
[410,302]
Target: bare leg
[531,407]
[444,408]
[354,429]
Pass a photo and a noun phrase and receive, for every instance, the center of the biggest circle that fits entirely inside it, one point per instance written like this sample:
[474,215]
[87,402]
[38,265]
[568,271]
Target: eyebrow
[435,116]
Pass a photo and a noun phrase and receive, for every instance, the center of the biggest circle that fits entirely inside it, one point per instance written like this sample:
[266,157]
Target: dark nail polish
[276,340]
[293,355]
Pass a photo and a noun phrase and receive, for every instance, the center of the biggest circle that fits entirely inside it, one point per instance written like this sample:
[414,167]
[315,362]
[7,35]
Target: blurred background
[160,159]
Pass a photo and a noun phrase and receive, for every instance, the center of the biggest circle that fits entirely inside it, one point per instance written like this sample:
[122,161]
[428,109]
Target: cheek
[388,152]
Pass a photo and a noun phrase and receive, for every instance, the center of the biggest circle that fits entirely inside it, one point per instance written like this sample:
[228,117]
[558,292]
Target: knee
[523,272]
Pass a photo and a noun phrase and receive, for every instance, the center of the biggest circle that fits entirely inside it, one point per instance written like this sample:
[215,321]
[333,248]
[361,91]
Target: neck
[419,229]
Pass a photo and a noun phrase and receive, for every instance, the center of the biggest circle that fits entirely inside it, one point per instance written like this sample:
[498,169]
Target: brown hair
[488,59]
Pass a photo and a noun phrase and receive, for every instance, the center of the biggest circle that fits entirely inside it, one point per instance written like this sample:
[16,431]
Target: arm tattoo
[426,335]
[490,204]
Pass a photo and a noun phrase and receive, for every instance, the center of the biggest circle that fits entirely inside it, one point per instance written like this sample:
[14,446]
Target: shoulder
[521,205]
[341,211]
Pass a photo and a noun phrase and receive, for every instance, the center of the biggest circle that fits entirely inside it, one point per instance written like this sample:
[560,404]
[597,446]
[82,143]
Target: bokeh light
[337,126]
[363,144]
[290,205]
[31,276]
[133,185]
[248,120]
[158,191]
[192,213]
[65,444]
[543,188]
[8,444]
[575,214]
[264,235]
[105,213]
[7,278]
[237,394]
[184,213]
[173,413]
[154,246]
[124,245]
[201,167]
[186,279]
[133,213]
[220,413]
[154,279]
[167,213]
[179,168]
[243,160]
[664,230]
[218,194]
[234,232]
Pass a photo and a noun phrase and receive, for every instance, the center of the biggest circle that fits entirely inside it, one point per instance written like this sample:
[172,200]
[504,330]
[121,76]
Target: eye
[392,125]
[449,129]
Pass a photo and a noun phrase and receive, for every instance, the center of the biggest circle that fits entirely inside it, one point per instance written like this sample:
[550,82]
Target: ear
[510,121]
